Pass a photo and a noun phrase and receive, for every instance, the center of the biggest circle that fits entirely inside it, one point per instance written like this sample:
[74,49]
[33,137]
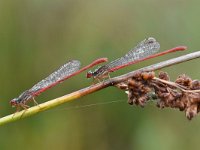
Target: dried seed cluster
[183,94]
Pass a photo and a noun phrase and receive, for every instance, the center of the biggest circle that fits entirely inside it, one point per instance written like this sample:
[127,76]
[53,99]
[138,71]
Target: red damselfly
[143,51]
[70,69]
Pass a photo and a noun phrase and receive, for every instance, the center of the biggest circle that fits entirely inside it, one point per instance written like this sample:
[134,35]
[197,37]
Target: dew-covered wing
[143,49]
[58,76]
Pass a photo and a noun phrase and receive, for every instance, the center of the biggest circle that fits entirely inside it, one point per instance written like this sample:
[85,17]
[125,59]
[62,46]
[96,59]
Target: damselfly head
[14,102]
[89,74]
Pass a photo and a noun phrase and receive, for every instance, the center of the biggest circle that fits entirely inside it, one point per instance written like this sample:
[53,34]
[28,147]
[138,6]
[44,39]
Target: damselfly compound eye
[89,74]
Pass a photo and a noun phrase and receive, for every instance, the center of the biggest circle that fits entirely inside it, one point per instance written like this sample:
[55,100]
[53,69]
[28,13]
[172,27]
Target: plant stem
[93,88]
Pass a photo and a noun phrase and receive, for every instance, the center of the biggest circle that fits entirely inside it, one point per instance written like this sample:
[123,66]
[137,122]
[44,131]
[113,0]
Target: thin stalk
[94,88]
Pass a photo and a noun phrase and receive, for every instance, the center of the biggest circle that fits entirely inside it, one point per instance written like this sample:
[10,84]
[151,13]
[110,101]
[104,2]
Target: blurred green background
[38,36]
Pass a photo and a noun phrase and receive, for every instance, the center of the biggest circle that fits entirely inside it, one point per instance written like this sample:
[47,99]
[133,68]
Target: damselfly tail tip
[182,48]
[178,48]
[101,60]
